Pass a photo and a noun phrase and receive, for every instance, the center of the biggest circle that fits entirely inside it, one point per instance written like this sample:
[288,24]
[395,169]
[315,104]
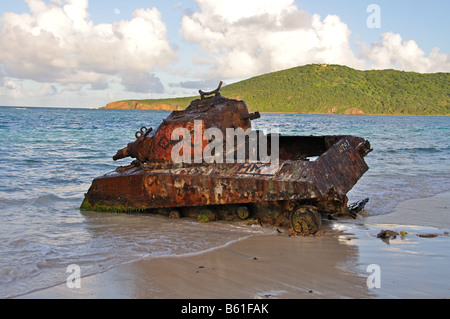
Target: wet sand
[337,263]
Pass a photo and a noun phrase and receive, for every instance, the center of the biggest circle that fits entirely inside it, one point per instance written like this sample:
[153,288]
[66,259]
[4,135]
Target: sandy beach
[345,260]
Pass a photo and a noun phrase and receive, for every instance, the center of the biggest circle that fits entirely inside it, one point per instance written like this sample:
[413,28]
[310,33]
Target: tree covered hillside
[339,90]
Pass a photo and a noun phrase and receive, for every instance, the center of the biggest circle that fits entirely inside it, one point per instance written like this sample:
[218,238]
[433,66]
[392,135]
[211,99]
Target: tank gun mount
[215,92]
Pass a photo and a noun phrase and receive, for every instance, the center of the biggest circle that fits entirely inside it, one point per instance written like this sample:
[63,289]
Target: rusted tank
[177,172]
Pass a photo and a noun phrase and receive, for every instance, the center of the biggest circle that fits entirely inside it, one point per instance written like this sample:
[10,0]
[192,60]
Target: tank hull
[322,182]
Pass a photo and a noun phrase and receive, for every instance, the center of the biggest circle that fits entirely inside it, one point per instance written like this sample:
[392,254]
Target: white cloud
[247,38]
[392,52]
[13,89]
[58,43]
[48,89]
[253,37]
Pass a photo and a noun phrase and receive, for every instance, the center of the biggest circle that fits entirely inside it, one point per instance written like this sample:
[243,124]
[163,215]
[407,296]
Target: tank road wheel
[306,220]
[174,214]
[206,216]
[243,212]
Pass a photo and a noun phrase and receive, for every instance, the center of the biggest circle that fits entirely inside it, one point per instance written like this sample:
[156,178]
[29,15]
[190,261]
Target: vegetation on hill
[336,89]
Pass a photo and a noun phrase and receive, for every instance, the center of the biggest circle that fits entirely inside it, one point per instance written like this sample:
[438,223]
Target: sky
[87,53]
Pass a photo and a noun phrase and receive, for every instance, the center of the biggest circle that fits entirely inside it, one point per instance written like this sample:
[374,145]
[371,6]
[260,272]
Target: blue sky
[80,53]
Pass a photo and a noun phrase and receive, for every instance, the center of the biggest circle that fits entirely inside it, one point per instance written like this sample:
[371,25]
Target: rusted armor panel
[174,185]
[156,181]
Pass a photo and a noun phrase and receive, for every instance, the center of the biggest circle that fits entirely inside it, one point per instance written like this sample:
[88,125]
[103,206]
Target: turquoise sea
[49,157]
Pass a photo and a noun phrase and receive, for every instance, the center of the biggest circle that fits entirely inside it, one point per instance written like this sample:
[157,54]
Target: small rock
[387,234]
[427,235]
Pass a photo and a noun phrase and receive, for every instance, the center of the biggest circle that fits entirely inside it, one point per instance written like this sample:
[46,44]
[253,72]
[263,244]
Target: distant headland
[328,89]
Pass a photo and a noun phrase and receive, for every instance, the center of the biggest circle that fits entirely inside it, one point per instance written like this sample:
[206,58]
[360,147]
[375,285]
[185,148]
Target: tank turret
[210,111]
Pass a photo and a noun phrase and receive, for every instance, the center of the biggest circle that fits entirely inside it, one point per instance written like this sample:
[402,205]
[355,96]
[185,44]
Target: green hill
[332,89]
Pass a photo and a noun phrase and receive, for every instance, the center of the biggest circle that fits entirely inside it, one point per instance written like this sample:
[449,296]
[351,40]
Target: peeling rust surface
[270,192]
[173,185]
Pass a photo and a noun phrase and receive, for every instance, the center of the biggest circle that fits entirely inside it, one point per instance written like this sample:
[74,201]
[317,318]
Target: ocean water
[49,157]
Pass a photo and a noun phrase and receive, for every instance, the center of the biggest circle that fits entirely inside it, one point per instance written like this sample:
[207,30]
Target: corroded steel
[271,192]
[153,185]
